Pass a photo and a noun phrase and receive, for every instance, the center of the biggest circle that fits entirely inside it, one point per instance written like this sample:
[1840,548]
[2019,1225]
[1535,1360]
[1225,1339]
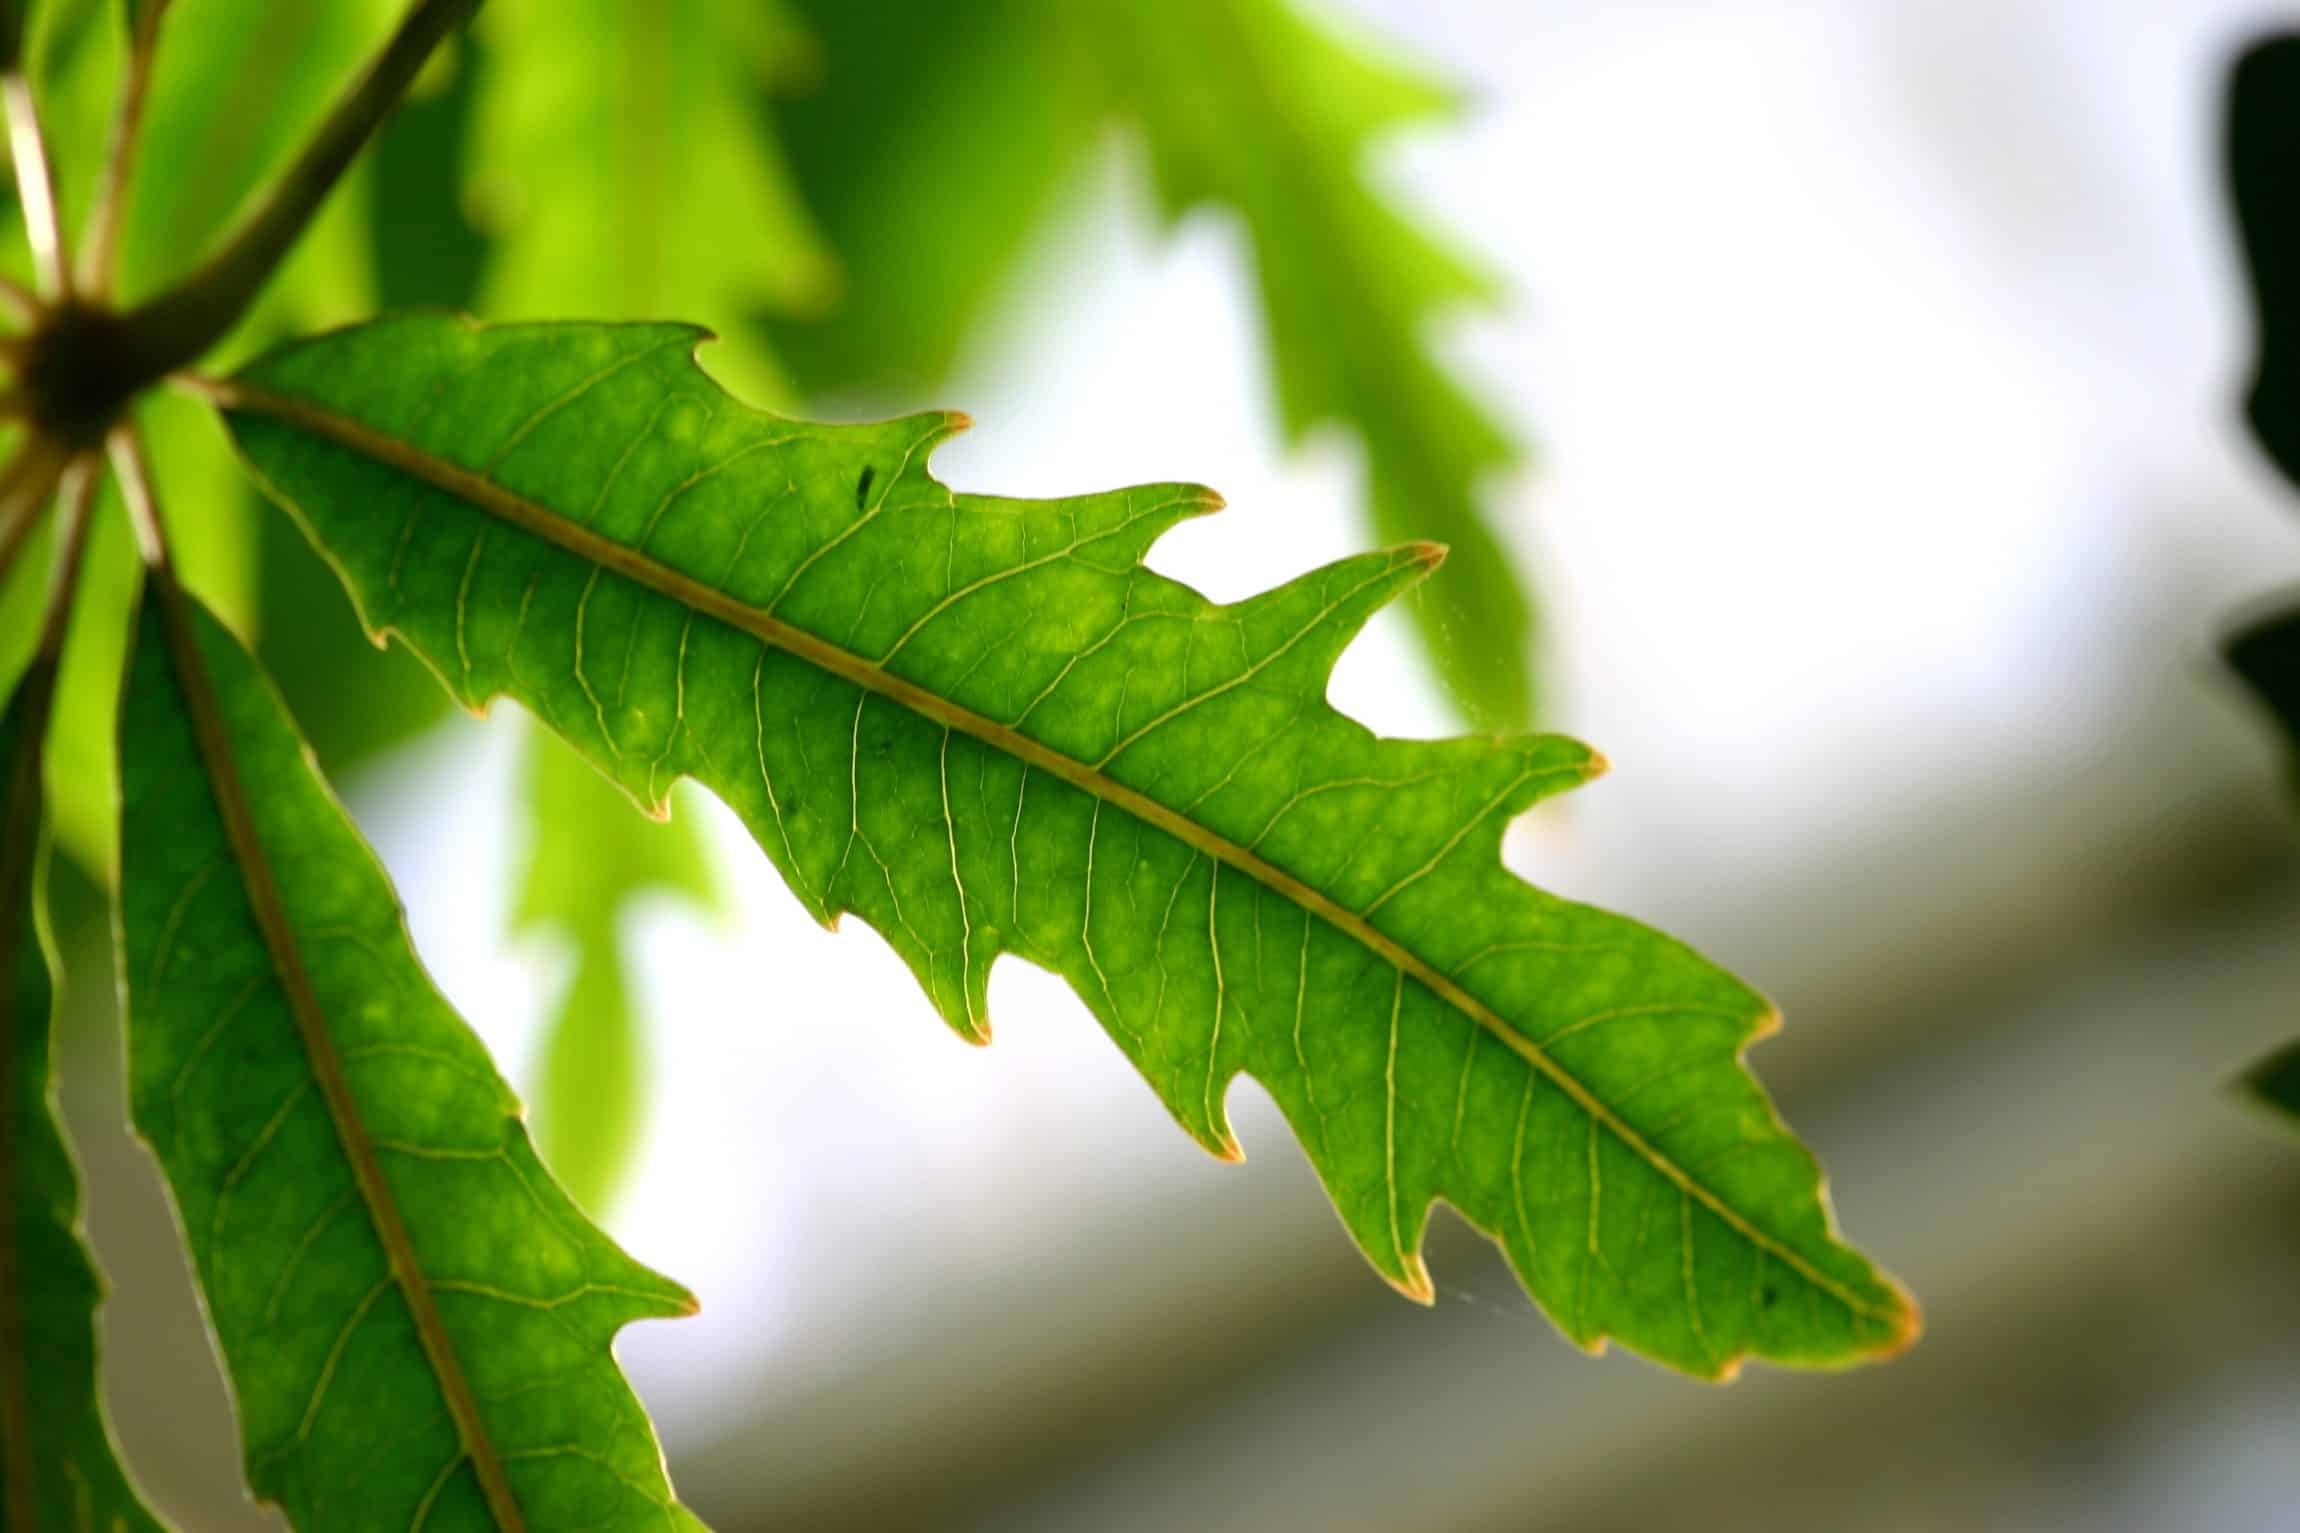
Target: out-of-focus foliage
[2264,180]
[929,164]
[621,163]
[589,862]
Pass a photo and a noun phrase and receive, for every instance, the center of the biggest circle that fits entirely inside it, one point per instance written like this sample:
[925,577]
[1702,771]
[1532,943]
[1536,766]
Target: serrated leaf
[622,167]
[1249,106]
[934,141]
[589,863]
[58,1465]
[415,1319]
[983,726]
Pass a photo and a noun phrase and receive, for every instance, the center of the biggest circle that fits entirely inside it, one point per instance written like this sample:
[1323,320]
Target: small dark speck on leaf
[862,485]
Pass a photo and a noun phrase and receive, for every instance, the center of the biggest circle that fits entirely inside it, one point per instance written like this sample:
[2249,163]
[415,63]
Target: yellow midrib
[549,525]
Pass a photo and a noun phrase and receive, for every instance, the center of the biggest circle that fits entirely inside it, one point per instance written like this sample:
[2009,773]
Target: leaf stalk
[99,253]
[179,326]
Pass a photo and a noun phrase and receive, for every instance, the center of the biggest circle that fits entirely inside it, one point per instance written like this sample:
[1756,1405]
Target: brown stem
[100,254]
[25,485]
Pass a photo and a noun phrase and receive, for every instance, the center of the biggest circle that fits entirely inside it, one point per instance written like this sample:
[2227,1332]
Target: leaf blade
[1022,681]
[274,1005]
[51,1411]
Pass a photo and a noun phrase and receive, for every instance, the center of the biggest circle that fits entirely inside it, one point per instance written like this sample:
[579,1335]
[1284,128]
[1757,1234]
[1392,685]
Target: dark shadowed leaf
[58,1466]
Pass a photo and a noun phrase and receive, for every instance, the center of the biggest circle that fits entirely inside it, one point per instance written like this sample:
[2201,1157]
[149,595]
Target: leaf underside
[405,1301]
[50,1412]
[984,727]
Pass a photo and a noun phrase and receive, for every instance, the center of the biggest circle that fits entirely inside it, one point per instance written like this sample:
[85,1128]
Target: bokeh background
[1885,499]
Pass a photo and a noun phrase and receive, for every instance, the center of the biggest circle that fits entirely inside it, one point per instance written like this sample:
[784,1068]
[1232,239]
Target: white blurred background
[1880,358]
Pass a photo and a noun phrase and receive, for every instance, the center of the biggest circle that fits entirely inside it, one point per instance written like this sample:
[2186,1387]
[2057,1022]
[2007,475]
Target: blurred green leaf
[983,726]
[622,168]
[237,86]
[939,134]
[416,1321]
[2263,148]
[426,249]
[2263,156]
[2266,654]
[589,862]
[1246,105]
[58,1465]
[2275,1081]
[930,147]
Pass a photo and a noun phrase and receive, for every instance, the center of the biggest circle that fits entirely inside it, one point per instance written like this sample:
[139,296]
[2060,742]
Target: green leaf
[623,169]
[2264,179]
[51,1416]
[2263,146]
[932,146]
[1249,106]
[930,150]
[415,1318]
[985,727]
[590,861]
[2265,652]
[2275,1081]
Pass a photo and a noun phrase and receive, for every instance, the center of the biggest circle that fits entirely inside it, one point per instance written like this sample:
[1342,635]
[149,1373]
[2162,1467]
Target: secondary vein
[279,938]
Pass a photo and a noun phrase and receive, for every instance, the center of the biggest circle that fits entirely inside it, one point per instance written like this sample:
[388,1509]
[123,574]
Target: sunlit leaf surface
[983,726]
